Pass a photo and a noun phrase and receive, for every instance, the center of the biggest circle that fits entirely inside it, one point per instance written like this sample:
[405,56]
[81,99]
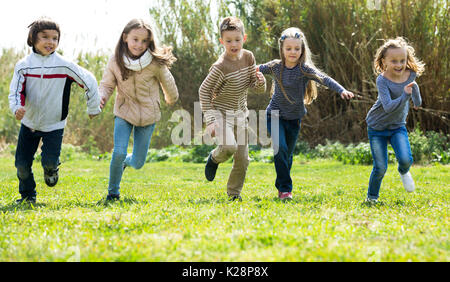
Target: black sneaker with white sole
[51,176]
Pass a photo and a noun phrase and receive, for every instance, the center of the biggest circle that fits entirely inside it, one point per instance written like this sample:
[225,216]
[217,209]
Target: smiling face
[292,50]
[137,41]
[394,62]
[233,40]
[47,41]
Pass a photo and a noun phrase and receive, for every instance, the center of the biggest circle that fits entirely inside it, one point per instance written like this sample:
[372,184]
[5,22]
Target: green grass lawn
[169,212]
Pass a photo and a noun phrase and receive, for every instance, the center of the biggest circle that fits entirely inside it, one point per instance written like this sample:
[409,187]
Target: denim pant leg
[122,132]
[141,142]
[400,144]
[51,149]
[291,139]
[378,146]
[284,145]
[27,145]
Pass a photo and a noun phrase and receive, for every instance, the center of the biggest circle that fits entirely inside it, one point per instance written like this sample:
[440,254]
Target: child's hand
[102,101]
[171,103]
[20,113]
[347,95]
[211,129]
[408,88]
[260,77]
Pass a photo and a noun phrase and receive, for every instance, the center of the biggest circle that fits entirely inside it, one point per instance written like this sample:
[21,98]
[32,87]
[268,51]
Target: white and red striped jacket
[41,84]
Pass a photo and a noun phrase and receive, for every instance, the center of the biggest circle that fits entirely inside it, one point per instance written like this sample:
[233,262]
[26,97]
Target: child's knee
[229,149]
[139,164]
[405,163]
[241,161]
[380,170]
[23,171]
[281,152]
[118,156]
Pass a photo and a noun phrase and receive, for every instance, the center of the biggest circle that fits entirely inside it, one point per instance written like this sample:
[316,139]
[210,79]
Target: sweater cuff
[14,110]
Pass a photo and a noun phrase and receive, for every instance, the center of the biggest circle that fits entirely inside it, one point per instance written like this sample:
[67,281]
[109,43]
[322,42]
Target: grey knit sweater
[391,108]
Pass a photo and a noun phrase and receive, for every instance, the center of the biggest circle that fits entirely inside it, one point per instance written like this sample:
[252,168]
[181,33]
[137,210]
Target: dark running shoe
[235,198]
[31,200]
[112,197]
[210,168]
[51,177]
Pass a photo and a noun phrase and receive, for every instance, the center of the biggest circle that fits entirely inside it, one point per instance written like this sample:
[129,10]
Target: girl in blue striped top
[295,76]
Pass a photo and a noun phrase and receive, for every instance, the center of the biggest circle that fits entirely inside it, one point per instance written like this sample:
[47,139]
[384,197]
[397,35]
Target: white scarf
[139,64]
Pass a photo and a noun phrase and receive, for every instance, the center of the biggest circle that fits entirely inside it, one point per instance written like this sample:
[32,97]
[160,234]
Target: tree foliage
[343,35]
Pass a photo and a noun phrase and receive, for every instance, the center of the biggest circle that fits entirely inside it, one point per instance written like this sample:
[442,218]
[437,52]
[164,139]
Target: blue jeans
[378,146]
[27,146]
[284,147]
[122,131]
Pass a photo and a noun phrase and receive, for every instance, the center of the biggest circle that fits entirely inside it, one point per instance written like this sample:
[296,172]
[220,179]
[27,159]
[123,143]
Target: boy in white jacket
[39,98]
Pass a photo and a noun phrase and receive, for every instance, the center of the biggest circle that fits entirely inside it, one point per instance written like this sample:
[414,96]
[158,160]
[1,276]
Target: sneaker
[112,197]
[408,182]
[233,198]
[285,195]
[31,200]
[371,201]
[51,177]
[210,168]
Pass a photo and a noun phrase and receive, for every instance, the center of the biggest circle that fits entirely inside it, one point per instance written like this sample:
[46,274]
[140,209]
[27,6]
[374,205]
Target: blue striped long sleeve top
[294,84]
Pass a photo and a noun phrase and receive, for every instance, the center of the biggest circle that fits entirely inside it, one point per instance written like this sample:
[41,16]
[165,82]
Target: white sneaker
[408,182]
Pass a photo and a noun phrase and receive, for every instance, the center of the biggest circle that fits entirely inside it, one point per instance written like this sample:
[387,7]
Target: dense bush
[428,147]
[425,147]
[343,35]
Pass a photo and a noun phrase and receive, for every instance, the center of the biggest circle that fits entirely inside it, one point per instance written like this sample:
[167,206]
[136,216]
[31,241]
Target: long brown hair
[162,55]
[304,60]
[413,63]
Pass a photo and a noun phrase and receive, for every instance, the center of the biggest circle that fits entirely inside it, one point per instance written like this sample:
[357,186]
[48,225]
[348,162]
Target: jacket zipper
[137,100]
[41,82]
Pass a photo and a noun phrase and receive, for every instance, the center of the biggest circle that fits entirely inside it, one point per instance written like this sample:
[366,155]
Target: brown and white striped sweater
[226,86]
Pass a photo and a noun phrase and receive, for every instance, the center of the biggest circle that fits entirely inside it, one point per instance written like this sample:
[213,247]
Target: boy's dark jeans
[26,148]
[288,131]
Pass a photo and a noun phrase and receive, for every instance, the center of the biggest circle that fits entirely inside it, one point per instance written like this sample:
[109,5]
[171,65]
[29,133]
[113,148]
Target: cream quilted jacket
[137,100]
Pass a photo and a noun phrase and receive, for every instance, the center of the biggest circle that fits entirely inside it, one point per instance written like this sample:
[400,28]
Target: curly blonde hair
[412,62]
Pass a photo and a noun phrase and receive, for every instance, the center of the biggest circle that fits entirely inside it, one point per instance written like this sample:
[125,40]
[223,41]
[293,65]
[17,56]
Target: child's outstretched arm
[329,82]
[258,81]
[107,84]
[86,80]
[168,85]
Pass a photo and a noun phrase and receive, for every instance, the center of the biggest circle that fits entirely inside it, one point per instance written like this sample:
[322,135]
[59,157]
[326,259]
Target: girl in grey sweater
[397,66]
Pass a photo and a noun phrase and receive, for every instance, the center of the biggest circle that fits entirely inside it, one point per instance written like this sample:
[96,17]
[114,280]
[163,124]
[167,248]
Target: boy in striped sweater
[223,100]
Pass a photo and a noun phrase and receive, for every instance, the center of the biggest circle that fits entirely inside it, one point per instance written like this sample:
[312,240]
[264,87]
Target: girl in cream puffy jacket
[138,69]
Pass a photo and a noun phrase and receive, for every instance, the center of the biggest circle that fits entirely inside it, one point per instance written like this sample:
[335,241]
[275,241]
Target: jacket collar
[40,57]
